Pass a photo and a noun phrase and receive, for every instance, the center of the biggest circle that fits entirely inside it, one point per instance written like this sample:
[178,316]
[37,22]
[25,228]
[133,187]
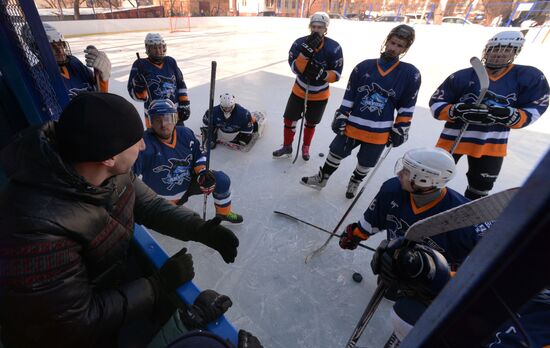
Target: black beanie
[97,126]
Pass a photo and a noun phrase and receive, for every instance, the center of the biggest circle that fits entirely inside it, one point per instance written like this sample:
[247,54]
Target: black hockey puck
[321,154]
[357,277]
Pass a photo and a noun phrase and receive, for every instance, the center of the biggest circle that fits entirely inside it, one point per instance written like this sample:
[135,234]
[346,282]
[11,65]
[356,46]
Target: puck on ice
[357,277]
[321,154]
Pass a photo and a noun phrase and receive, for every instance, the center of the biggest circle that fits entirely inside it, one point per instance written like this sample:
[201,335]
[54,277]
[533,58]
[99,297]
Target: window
[269,3]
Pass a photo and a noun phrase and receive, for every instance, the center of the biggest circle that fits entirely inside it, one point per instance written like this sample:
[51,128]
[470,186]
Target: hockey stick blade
[481,210]
[315,226]
[367,315]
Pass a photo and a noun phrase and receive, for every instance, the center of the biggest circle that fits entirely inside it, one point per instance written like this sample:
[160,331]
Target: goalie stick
[483,78]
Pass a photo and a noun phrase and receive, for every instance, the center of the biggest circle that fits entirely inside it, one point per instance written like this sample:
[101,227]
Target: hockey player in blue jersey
[76,76]
[517,97]
[174,166]
[317,61]
[377,89]
[158,77]
[232,119]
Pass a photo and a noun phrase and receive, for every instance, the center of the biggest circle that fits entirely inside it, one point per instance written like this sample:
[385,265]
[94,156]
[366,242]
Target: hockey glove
[398,136]
[352,236]
[471,113]
[339,122]
[248,340]
[315,71]
[219,238]
[206,181]
[99,61]
[208,307]
[184,111]
[312,42]
[176,271]
[382,262]
[506,116]
[242,139]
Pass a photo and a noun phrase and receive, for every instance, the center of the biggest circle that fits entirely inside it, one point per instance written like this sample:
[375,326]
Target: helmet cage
[152,42]
[502,49]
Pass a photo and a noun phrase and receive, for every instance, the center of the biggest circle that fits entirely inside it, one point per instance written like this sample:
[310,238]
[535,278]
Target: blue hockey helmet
[163,108]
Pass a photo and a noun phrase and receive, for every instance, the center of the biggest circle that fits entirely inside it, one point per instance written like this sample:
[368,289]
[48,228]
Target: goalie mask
[155,47]
[60,47]
[427,167]
[227,104]
[502,49]
[403,32]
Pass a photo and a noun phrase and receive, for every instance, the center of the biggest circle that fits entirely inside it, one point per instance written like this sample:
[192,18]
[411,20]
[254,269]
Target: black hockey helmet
[404,32]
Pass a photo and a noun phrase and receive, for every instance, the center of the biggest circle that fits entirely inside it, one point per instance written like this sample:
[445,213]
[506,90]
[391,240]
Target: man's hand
[351,237]
[218,237]
[184,111]
[99,61]
[398,135]
[315,71]
[504,115]
[471,113]
[312,42]
[208,307]
[339,122]
[206,181]
[176,271]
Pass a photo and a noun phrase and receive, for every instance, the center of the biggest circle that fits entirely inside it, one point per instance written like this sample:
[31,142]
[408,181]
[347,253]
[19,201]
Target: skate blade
[289,155]
[315,187]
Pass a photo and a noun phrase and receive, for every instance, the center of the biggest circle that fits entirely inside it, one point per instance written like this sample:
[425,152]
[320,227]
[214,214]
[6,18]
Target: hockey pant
[482,174]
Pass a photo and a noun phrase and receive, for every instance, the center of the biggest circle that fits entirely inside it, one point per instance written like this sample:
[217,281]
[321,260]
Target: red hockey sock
[289,131]
[309,130]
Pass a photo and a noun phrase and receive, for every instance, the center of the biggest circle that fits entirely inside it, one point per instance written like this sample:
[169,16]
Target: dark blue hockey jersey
[79,78]
[167,167]
[519,86]
[329,55]
[240,120]
[394,210]
[373,96]
[164,81]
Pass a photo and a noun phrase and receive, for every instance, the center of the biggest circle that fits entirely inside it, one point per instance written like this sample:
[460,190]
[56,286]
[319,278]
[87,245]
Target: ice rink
[276,296]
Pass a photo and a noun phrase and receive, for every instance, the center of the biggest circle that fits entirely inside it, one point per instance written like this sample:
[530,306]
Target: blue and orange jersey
[329,55]
[394,210]
[374,95]
[79,78]
[164,81]
[518,86]
[167,167]
[240,121]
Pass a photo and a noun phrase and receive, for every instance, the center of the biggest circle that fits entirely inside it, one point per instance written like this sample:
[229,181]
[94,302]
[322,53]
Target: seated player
[230,121]
[174,166]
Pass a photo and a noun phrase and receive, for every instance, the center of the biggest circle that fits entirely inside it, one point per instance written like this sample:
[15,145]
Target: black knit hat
[97,126]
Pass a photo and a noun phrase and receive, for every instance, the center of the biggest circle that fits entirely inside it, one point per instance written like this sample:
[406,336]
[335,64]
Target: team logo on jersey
[177,171]
[396,227]
[492,99]
[376,98]
[163,87]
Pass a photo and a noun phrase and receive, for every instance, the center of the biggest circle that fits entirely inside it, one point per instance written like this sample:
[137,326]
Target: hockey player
[517,97]
[232,119]
[317,61]
[377,89]
[76,76]
[174,166]
[416,193]
[158,77]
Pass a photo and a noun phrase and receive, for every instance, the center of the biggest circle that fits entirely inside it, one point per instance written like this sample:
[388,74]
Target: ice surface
[283,301]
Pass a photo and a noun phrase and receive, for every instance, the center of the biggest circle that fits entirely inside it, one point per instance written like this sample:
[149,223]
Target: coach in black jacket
[66,221]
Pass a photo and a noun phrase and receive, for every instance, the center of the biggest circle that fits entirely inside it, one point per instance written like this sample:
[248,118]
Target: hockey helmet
[227,104]
[320,17]
[164,108]
[403,32]
[427,167]
[152,42]
[60,47]
[502,49]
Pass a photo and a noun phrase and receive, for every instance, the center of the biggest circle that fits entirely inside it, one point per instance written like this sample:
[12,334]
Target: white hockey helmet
[153,40]
[427,166]
[320,17]
[227,104]
[60,47]
[502,49]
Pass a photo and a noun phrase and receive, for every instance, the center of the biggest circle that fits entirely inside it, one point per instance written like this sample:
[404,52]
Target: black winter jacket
[64,246]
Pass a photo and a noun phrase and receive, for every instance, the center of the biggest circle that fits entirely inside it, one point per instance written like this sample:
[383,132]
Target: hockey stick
[209,130]
[483,78]
[484,209]
[367,315]
[333,233]
[304,113]
[317,227]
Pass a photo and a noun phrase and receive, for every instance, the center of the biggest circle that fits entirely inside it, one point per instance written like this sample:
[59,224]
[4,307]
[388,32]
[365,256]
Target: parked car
[392,18]
[267,14]
[336,16]
[353,16]
[455,20]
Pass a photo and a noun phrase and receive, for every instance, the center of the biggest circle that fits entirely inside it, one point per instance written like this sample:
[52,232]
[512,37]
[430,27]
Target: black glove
[398,135]
[351,237]
[213,137]
[248,340]
[184,111]
[218,237]
[315,71]
[176,271]
[339,122]
[383,263]
[242,139]
[312,42]
[139,81]
[206,181]
[471,113]
[506,116]
[208,307]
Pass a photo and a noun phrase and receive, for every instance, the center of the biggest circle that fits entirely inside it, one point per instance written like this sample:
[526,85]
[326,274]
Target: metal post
[512,15]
